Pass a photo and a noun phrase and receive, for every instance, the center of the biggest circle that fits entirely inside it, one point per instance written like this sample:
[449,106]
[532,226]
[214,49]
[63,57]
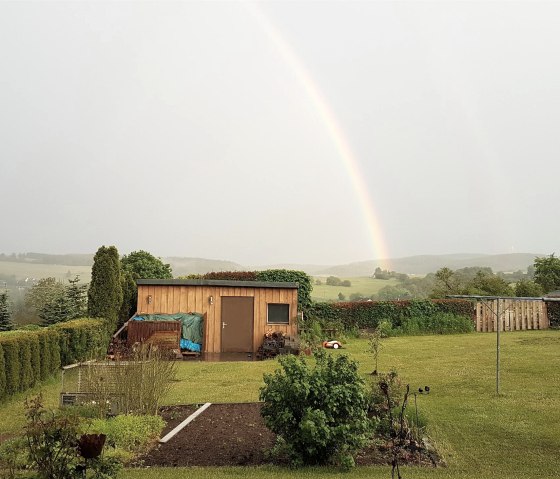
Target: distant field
[38,271]
[364,285]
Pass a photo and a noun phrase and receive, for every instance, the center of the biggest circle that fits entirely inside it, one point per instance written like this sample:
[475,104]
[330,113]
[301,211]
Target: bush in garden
[51,442]
[320,413]
[13,457]
[439,323]
[129,432]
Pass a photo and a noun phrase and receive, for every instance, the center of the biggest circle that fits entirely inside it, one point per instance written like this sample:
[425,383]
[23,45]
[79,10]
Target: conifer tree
[105,293]
[77,297]
[6,323]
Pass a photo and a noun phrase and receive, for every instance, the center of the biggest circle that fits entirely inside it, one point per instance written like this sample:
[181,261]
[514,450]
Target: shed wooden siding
[168,299]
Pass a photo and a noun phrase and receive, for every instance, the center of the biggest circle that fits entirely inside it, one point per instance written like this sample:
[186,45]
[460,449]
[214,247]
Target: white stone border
[195,414]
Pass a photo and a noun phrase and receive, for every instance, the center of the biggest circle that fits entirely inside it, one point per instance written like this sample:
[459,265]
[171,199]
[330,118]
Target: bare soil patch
[235,435]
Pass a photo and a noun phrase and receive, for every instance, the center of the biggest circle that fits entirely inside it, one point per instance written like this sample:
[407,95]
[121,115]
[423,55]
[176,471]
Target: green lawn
[516,435]
[364,285]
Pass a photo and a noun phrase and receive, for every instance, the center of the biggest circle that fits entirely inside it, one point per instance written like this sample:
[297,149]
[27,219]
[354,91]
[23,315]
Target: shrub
[320,413]
[51,441]
[129,432]
[136,385]
[13,456]
[439,323]
[52,445]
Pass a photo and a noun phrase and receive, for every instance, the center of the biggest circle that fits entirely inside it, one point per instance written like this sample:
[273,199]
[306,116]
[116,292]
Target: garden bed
[235,435]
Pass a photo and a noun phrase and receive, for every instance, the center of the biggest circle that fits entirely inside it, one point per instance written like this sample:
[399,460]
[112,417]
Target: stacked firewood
[275,343]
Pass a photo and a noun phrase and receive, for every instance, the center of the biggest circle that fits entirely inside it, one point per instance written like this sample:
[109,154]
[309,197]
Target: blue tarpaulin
[191,327]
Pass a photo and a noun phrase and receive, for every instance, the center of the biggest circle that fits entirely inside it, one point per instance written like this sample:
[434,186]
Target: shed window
[278,313]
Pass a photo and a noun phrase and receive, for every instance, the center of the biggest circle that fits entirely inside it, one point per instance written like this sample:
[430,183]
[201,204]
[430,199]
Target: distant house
[237,314]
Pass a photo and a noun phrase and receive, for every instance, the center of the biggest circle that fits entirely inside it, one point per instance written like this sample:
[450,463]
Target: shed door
[237,324]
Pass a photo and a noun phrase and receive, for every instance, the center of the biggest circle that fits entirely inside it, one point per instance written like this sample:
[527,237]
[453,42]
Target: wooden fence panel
[515,315]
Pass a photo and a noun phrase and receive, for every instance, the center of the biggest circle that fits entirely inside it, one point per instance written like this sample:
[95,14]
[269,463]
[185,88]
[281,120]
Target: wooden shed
[237,313]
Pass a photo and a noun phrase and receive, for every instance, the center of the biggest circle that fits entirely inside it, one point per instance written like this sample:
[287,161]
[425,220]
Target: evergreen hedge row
[368,314]
[28,357]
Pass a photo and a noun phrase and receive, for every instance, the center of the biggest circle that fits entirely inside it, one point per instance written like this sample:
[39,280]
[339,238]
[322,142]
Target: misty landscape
[279,238]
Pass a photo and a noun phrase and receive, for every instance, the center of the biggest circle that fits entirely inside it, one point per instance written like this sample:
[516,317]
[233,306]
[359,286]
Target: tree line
[111,294]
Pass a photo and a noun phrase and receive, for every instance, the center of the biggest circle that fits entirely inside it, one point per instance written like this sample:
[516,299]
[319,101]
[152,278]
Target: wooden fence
[515,315]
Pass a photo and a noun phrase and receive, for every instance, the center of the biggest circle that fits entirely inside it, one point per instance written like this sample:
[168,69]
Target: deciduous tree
[547,272]
[146,266]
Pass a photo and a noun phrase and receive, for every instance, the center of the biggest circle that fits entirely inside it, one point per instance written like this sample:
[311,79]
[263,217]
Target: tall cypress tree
[105,293]
[6,323]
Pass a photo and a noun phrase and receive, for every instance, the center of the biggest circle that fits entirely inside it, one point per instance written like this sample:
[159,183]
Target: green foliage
[335,281]
[230,275]
[54,302]
[291,276]
[319,412]
[341,297]
[371,314]
[553,313]
[3,392]
[398,292]
[528,289]
[28,357]
[385,274]
[130,297]
[26,372]
[144,265]
[77,298]
[6,323]
[105,295]
[10,346]
[547,272]
[129,432]
[489,284]
[379,406]
[44,292]
[375,345]
[439,323]
[56,311]
[273,275]
[51,441]
[82,339]
[13,456]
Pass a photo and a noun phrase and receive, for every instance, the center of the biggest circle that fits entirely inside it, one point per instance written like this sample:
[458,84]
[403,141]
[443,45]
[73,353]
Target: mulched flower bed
[235,435]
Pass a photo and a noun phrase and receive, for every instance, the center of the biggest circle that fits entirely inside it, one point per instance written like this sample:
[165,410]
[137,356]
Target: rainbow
[335,132]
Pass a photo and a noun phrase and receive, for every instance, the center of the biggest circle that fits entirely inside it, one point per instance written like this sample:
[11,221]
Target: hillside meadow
[479,434]
[38,270]
[364,285]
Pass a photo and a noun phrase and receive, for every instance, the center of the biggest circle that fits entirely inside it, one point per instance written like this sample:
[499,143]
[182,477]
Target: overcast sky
[188,129]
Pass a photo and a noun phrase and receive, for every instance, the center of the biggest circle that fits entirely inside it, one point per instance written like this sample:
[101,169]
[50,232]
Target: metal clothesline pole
[497,313]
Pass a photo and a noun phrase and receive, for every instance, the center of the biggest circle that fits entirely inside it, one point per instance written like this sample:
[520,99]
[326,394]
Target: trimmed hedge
[82,339]
[369,314]
[28,357]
